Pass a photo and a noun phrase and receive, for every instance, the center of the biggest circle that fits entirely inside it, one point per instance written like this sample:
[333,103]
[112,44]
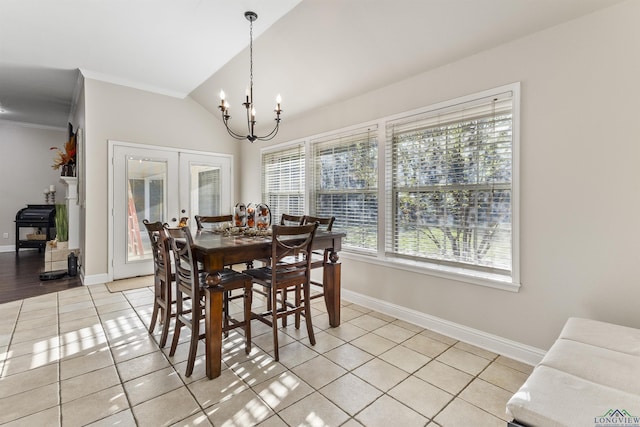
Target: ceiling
[313,52]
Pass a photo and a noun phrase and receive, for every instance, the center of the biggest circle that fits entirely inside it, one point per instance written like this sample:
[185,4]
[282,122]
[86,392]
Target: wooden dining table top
[219,249]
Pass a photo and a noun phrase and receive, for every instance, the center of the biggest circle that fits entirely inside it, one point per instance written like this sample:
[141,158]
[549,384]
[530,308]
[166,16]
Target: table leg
[213,331]
[331,280]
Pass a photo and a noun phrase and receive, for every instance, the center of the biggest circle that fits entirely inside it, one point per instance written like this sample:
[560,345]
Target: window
[206,183]
[345,185]
[283,177]
[449,193]
[432,190]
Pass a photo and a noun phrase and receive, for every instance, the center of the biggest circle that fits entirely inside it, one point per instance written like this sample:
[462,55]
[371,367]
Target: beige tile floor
[83,356]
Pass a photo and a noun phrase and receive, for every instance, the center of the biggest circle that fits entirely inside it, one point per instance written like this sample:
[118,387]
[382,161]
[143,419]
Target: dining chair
[189,283]
[206,222]
[319,258]
[163,279]
[210,222]
[289,269]
[287,219]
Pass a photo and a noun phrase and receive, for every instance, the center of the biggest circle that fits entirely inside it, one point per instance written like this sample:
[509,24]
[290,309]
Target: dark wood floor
[20,276]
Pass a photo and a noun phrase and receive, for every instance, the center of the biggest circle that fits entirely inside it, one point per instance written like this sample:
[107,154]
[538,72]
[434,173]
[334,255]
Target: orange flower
[67,156]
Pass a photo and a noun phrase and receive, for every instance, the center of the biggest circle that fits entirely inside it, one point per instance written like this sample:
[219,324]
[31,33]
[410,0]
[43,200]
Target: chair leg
[176,336]
[165,311]
[156,306]
[193,346]
[268,297]
[248,297]
[284,307]
[154,316]
[274,325]
[166,322]
[225,313]
[307,314]
[165,329]
[298,302]
[178,327]
[196,316]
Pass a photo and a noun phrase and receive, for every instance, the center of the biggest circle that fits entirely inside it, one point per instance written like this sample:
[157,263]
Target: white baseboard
[8,248]
[95,279]
[494,343]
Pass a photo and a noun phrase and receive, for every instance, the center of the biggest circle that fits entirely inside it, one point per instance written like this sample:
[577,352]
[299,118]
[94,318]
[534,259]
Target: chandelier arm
[271,134]
[236,135]
[230,131]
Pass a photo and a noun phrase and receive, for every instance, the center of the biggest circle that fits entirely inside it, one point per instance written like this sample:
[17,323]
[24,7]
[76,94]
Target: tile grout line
[59,362]
[140,315]
[13,331]
[121,384]
[166,357]
[477,376]
[386,393]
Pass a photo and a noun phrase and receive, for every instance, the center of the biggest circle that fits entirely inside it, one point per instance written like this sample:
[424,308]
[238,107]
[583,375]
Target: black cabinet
[42,217]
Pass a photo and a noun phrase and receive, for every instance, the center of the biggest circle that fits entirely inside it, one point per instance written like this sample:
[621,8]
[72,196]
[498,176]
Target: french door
[160,185]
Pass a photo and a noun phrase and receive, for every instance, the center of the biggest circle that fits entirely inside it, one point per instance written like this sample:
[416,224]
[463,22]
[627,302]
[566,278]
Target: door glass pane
[205,190]
[146,180]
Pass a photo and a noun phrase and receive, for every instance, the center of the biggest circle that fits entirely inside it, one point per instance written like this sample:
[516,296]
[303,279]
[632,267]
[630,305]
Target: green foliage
[62,224]
[452,191]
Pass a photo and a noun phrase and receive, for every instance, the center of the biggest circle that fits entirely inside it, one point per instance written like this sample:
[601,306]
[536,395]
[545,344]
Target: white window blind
[283,176]
[449,185]
[345,185]
[208,192]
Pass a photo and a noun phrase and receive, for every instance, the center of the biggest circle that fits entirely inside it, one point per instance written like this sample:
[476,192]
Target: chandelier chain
[251,57]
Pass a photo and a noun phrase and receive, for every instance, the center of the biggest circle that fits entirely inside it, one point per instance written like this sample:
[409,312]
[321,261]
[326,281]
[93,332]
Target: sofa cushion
[553,398]
[602,334]
[596,364]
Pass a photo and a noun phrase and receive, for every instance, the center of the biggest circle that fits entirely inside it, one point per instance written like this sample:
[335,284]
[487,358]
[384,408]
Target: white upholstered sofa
[589,377]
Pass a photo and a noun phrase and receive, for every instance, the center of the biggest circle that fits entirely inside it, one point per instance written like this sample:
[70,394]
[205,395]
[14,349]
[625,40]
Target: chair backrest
[186,266]
[161,248]
[287,219]
[215,220]
[325,223]
[291,252]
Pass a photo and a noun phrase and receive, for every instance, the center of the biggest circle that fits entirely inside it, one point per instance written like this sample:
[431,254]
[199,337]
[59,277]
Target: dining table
[215,250]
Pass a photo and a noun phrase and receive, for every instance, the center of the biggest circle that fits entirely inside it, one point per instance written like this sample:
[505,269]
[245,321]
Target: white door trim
[110,186]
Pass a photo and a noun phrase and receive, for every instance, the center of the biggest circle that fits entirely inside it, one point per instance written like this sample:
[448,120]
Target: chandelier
[248,103]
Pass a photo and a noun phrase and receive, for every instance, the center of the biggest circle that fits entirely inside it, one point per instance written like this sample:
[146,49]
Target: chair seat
[264,273]
[228,277]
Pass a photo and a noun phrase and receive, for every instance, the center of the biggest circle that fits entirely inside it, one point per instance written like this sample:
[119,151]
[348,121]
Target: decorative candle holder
[49,197]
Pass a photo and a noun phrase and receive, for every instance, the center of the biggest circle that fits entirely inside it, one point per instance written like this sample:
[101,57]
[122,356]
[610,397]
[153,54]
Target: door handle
[174,219]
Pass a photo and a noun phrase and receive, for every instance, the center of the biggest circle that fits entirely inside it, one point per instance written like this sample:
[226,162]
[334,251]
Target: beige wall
[580,185]
[130,115]
[25,163]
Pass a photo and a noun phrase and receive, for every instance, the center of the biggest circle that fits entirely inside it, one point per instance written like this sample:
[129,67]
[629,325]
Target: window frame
[456,121]
[442,270]
[280,148]
[344,140]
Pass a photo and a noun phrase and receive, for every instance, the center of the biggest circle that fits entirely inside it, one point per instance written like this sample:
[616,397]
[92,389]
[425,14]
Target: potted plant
[66,159]
[62,225]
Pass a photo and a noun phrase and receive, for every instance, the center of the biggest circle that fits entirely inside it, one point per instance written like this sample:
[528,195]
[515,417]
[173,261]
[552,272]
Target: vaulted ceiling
[313,52]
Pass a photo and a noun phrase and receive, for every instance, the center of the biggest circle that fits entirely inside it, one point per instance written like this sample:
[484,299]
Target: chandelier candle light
[248,104]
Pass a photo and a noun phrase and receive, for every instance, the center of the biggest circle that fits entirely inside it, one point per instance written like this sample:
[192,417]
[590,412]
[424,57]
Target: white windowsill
[446,272]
